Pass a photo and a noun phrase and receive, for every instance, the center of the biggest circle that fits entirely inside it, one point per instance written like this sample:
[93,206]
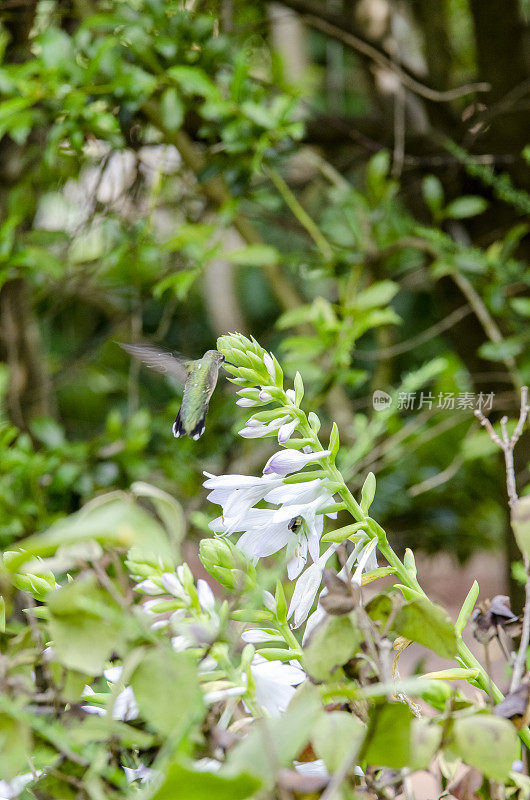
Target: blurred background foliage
[346,181]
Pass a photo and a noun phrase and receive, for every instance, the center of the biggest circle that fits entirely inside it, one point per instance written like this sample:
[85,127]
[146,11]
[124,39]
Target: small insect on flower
[198,378]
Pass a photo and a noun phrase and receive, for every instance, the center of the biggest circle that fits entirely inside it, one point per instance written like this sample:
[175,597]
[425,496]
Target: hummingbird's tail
[195,433]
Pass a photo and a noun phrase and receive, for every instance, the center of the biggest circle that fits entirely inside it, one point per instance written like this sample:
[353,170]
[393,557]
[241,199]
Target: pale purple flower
[286,430]
[246,402]
[269,363]
[257,636]
[172,585]
[141,773]
[256,430]
[265,396]
[148,587]
[206,596]
[275,683]
[286,461]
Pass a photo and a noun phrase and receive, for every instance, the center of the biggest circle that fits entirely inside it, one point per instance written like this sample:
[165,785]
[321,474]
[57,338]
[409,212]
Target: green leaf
[467,206]
[387,742]
[194,81]
[467,607]
[181,783]
[86,625]
[167,691]
[521,305]
[168,509]
[379,294]
[488,743]
[15,747]
[368,492]
[272,743]
[433,193]
[298,389]
[334,441]
[428,624]
[498,351]
[426,737]
[172,109]
[110,519]
[331,645]
[336,736]
[255,255]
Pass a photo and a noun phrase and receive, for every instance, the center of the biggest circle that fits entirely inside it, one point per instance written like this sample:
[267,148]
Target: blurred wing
[173,366]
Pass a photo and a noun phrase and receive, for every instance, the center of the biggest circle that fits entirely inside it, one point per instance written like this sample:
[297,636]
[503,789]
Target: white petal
[125,707]
[269,363]
[368,550]
[113,674]
[255,636]
[246,402]
[291,394]
[304,594]
[258,543]
[206,596]
[148,587]
[264,396]
[286,431]
[287,461]
[173,585]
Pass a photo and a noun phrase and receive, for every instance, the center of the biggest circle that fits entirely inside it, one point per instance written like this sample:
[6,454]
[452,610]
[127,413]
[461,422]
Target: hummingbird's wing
[155,357]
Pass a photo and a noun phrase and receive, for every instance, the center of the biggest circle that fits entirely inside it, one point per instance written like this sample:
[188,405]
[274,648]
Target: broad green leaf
[168,509]
[272,743]
[181,783]
[488,743]
[497,351]
[172,109]
[336,736]
[255,255]
[433,193]
[387,742]
[379,294]
[425,739]
[193,80]
[167,691]
[467,206]
[86,625]
[110,519]
[428,624]
[15,747]
[332,644]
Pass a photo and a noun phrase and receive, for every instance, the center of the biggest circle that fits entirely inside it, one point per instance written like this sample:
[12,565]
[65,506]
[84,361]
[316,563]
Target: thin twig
[507,444]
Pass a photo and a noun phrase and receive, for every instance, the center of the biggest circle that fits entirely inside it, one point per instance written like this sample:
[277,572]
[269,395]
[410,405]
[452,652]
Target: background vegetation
[349,182]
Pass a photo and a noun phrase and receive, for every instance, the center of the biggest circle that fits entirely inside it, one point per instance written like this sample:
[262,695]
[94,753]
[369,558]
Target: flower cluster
[285,507]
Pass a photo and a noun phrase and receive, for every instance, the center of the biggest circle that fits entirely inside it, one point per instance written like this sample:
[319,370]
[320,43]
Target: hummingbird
[197,377]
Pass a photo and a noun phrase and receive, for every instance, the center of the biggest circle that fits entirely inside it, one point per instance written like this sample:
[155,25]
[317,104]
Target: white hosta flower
[364,555]
[256,430]
[275,683]
[236,494]
[148,587]
[286,431]
[287,461]
[257,636]
[10,790]
[125,707]
[265,396]
[173,585]
[291,394]
[141,774]
[206,596]
[307,587]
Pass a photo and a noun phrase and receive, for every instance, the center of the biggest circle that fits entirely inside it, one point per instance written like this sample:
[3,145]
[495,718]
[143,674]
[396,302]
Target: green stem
[301,214]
